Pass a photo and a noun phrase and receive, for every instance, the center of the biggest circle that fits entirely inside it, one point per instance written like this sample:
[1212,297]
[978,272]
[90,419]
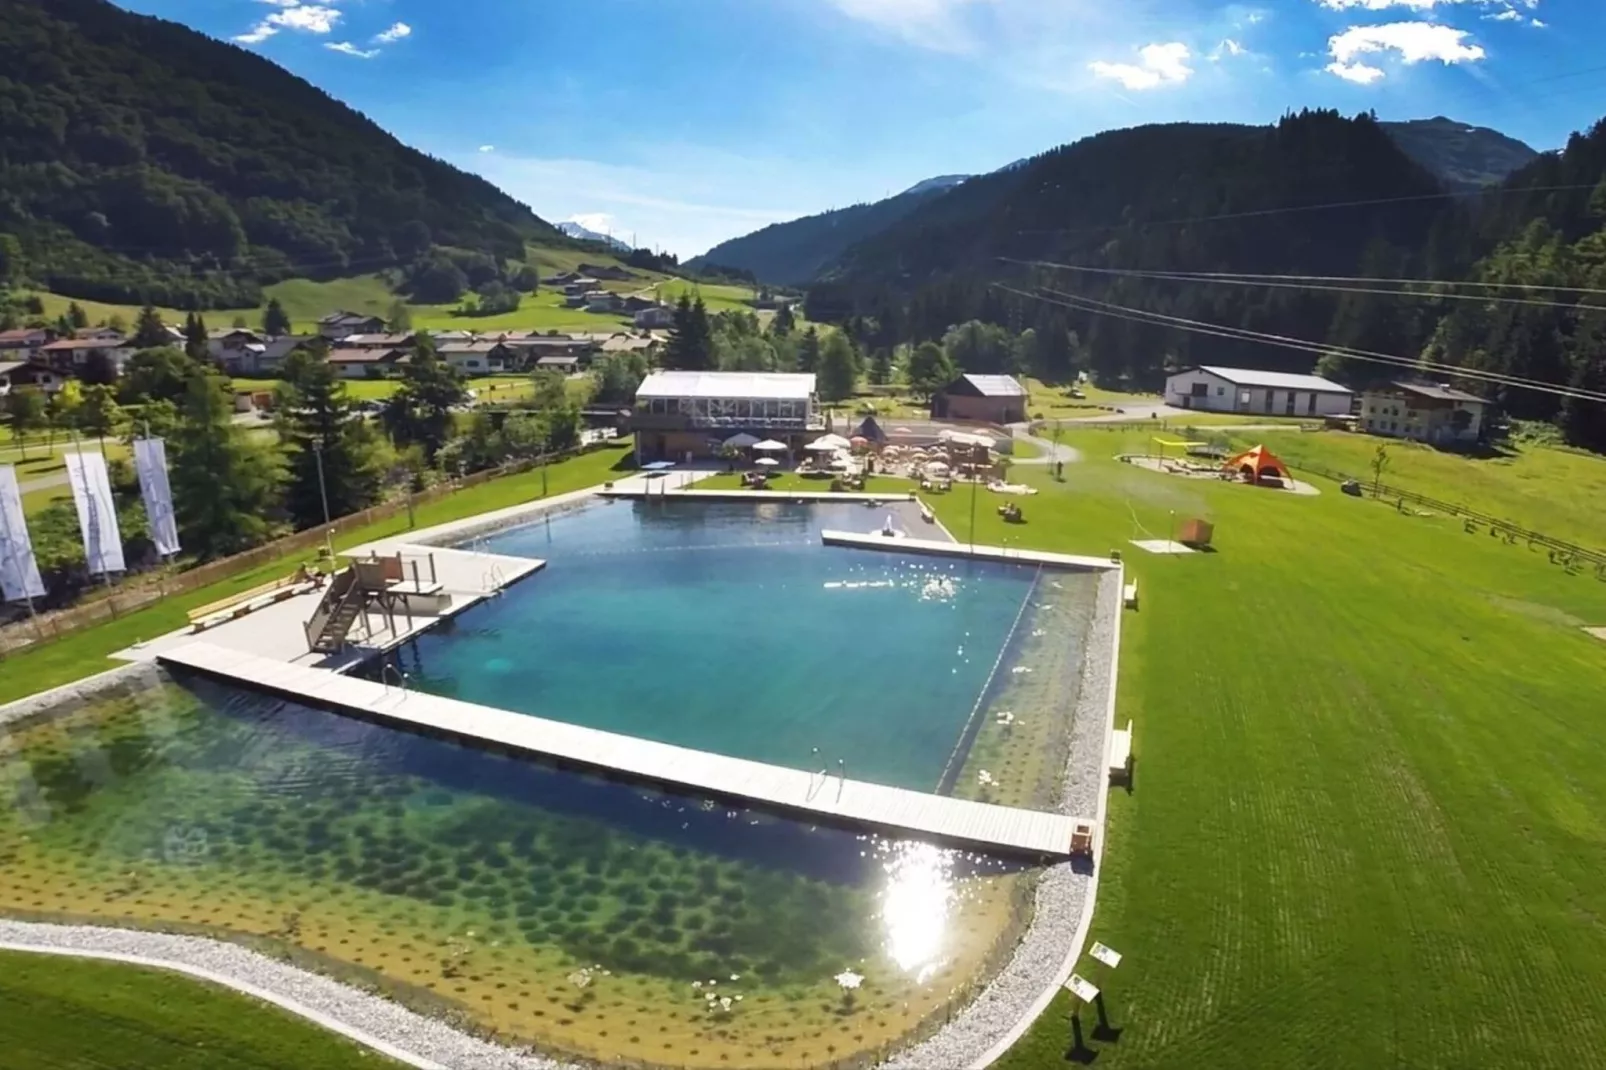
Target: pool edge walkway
[836,799]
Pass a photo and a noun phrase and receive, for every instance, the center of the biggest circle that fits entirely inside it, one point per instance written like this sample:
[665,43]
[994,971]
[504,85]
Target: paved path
[1047,451]
[28,486]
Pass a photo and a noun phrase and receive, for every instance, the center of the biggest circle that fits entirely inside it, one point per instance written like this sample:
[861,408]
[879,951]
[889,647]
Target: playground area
[1258,467]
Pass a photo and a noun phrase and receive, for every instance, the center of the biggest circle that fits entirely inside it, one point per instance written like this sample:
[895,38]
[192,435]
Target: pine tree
[808,351]
[149,331]
[317,425]
[275,321]
[784,322]
[195,338]
[77,318]
[420,413]
[225,486]
[838,368]
[680,325]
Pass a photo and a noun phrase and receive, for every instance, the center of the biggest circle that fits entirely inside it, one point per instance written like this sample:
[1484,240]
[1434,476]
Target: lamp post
[323,493]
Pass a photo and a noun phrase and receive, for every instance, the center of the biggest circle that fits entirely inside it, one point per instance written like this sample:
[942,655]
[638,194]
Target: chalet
[29,375]
[1435,413]
[367,363]
[1217,389]
[629,343]
[657,317]
[634,303]
[992,399]
[75,356]
[566,365]
[606,271]
[582,284]
[603,302]
[479,358]
[275,351]
[560,280]
[235,348]
[338,326]
[24,341]
[102,334]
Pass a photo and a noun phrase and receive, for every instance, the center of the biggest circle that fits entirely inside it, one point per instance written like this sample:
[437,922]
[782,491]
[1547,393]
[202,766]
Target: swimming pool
[729,627]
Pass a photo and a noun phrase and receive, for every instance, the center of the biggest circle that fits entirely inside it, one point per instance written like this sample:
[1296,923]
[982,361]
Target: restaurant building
[681,415]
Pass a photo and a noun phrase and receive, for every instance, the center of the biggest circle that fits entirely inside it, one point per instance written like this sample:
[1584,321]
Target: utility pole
[323,493]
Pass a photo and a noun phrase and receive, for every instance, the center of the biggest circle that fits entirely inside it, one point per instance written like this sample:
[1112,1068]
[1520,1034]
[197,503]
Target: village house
[1216,389]
[479,358]
[29,375]
[603,302]
[367,363]
[992,399]
[565,365]
[1437,414]
[77,356]
[395,340]
[629,343]
[655,318]
[337,326]
[606,271]
[24,343]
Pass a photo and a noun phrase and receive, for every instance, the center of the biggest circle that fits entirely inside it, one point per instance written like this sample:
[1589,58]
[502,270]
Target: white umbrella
[831,442]
[820,447]
[742,441]
[767,462]
[937,468]
[769,445]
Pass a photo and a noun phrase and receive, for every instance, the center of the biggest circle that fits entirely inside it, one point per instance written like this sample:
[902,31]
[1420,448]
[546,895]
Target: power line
[1266,281]
[1083,304]
[1346,278]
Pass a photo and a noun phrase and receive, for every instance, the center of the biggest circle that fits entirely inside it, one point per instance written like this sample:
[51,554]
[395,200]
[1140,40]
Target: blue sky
[686,122]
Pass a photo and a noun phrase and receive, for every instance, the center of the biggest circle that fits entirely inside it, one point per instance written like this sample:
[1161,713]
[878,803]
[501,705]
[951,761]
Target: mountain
[795,253]
[1463,157]
[142,161]
[580,233]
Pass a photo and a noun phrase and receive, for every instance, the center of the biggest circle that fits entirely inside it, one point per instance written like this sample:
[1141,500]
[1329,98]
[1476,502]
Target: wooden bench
[1121,753]
[238,605]
[1129,595]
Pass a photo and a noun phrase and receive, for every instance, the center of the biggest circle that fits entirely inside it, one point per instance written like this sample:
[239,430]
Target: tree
[25,411]
[557,415]
[400,317]
[980,348]
[784,322]
[61,408]
[157,374]
[808,351]
[319,423]
[616,377]
[98,369]
[195,338]
[11,261]
[99,415]
[225,487]
[881,367]
[437,280]
[838,368]
[691,340]
[1380,464]
[149,332]
[929,369]
[77,318]
[420,412]
[275,321]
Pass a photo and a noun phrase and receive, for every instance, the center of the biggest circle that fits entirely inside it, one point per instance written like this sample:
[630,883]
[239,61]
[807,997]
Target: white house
[1216,389]
[1427,412]
[25,374]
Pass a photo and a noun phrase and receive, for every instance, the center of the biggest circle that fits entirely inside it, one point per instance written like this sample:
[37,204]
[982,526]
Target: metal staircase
[336,614]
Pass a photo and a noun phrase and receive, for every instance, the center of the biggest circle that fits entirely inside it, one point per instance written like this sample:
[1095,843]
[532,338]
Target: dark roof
[992,386]
[468,347]
[1437,391]
[348,317]
[366,356]
[67,345]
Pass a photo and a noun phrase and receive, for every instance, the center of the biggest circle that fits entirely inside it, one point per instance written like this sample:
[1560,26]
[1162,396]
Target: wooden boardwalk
[861,541]
[956,822]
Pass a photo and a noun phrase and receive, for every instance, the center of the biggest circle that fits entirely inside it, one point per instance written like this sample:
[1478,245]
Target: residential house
[655,318]
[1216,389]
[560,280]
[441,338]
[1425,412]
[235,349]
[275,351]
[103,334]
[24,343]
[76,356]
[634,303]
[582,284]
[478,358]
[610,272]
[394,340]
[603,302]
[992,399]
[367,363]
[338,326]
[629,343]
[566,365]
[29,375]
[681,414]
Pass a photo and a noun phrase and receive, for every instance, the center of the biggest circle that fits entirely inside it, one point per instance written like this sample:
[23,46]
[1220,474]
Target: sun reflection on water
[916,905]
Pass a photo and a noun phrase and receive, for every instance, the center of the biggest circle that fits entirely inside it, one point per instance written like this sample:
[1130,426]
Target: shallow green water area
[589,916]
[730,627]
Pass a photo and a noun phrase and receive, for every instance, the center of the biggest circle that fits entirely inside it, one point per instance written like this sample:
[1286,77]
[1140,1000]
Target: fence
[1562,552]
[135,593]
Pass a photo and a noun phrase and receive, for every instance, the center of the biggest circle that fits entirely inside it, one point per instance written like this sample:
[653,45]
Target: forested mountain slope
[1462,157]
[140,160]
[795,253]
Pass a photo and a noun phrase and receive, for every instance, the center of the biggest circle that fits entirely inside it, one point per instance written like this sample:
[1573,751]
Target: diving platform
[825,796]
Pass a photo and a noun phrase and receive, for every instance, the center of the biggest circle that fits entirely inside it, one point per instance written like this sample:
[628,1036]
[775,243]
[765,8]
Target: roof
[364,356]
[348,317]
[996,386]
[9,366]
[67,345]
[1437,391]
[382,340]
[1274,380]
[555,361]
[766,385]
[456,348]
[627,345]
[21,334]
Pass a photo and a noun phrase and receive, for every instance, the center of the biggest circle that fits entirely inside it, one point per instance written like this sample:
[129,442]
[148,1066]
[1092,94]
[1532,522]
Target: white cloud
[1227,48]
[1508,15]
[1538,24]
[257,34]
[1412,42]
[935,24]
[349,49]
[281,3]
[1419,5]
[394,34]
[601,222]
[1359,73]
[311,18]
[487,148]
[1159,65]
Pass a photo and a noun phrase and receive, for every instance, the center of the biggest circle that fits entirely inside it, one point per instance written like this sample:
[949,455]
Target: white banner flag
[19,572]
[150,461]
[97,512]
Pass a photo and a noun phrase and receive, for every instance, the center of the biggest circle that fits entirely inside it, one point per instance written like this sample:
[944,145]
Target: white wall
[1222,396]
[1219,395]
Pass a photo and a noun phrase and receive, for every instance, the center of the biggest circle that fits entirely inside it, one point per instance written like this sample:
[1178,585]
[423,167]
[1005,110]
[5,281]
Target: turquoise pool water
[731,628]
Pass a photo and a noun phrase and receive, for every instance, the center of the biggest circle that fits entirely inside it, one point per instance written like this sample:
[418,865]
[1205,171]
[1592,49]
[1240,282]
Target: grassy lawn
[67,1014]
[86,652]
[488,387]
[1365,828]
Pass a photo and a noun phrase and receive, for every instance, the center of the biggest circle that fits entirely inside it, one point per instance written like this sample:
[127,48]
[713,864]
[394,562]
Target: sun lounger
[1130,595]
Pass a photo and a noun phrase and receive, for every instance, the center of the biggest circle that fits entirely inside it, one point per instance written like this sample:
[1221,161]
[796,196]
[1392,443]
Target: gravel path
[1048,451]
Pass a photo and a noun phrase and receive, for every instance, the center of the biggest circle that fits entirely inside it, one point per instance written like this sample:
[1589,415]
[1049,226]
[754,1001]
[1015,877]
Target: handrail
[334,599]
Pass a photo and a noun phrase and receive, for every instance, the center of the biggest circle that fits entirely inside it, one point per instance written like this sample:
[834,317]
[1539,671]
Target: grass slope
[67,1014]
[1365,827]
[85,653]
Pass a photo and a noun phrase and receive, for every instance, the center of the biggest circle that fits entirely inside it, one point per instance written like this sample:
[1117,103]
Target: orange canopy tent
[1256,463]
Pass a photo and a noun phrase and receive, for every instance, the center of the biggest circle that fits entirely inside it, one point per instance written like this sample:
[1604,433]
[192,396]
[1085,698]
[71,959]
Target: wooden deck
[861,541]
[811,496]
[957,822]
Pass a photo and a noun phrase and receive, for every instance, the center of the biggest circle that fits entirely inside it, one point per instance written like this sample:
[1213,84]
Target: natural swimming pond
[730,627]
[586,916]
